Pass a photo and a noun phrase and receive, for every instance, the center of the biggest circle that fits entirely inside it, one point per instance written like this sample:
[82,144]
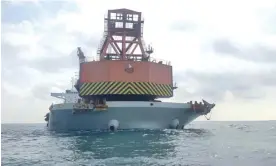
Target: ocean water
[200,144]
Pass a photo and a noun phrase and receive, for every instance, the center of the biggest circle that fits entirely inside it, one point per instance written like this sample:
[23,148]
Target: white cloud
[39,54]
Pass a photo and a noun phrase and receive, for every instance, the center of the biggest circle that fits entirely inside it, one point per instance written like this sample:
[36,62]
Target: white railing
[162,61]
[93,58]
[151,59]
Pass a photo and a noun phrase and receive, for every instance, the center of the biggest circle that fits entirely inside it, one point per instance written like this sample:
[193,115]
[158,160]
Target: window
[129,17]
[129,25]
[119,16]
[118,24]
[135,17]
[113,15]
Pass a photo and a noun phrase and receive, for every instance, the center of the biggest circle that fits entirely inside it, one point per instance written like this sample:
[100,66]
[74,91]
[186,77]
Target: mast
[123,37]
[82,59]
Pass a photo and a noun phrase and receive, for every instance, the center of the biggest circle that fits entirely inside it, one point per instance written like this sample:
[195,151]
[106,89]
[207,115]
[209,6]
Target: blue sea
[200,144]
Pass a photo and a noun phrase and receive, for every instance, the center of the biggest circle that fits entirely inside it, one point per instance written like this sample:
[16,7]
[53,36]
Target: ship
[123,86]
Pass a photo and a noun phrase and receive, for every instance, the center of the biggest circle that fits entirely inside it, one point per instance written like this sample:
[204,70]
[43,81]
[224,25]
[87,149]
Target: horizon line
[194,121]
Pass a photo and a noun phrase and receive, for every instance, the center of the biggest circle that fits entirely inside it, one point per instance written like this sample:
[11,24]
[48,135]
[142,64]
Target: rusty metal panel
[94,71]
[126,71]
[129,71]
[159,73]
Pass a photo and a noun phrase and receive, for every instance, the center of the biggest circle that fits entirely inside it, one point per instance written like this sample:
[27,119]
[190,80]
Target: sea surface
[200,144]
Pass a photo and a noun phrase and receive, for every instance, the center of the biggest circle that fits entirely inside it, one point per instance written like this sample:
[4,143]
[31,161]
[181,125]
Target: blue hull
[128,115]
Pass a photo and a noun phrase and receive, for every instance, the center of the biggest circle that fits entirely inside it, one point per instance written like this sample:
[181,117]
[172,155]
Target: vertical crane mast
[122,39]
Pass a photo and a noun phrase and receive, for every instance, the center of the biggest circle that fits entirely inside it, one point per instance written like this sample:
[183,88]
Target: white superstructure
[68,97]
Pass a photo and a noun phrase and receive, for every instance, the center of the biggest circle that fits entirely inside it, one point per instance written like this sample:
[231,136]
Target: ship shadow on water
[122,143]
[125,143]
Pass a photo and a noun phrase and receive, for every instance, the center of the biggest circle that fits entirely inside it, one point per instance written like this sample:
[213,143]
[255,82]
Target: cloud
[225,47]
[46,50]
[184,25]
[246,85]
[268,18]
[256,52]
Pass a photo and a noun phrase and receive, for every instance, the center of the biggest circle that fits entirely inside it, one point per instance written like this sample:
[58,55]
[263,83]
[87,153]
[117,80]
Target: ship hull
[128,115]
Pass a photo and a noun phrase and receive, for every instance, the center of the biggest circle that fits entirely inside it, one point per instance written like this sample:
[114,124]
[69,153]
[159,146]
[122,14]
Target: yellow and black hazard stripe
[124,88]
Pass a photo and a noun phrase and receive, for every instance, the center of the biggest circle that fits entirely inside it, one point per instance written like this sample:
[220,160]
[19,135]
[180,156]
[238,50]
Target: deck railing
[151,59]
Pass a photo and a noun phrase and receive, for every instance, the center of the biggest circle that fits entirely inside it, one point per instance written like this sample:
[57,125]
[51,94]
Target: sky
[223,51]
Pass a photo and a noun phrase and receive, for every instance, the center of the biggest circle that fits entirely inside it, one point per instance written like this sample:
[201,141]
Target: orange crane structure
[125,69]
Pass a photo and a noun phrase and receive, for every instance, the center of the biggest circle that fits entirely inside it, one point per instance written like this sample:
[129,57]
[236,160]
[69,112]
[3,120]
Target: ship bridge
[124,68]
[69,96]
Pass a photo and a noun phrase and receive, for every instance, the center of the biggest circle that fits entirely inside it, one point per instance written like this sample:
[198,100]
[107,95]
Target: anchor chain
[209,117]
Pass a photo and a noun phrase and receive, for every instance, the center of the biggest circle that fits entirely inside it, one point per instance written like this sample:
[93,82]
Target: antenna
[76,75]
[149,50]
[72,80]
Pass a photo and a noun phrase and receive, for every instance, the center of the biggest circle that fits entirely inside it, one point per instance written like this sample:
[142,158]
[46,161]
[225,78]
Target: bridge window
[129,25]
[135,17]
[119,16]
[119,24]
[129,17]
[113,16]
[116,16]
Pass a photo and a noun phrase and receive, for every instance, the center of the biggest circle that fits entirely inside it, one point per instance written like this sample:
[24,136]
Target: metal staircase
[144,46]
[103,39]
[142,29]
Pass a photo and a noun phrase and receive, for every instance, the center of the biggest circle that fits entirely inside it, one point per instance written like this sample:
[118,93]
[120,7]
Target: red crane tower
[123,37]
[124,70]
